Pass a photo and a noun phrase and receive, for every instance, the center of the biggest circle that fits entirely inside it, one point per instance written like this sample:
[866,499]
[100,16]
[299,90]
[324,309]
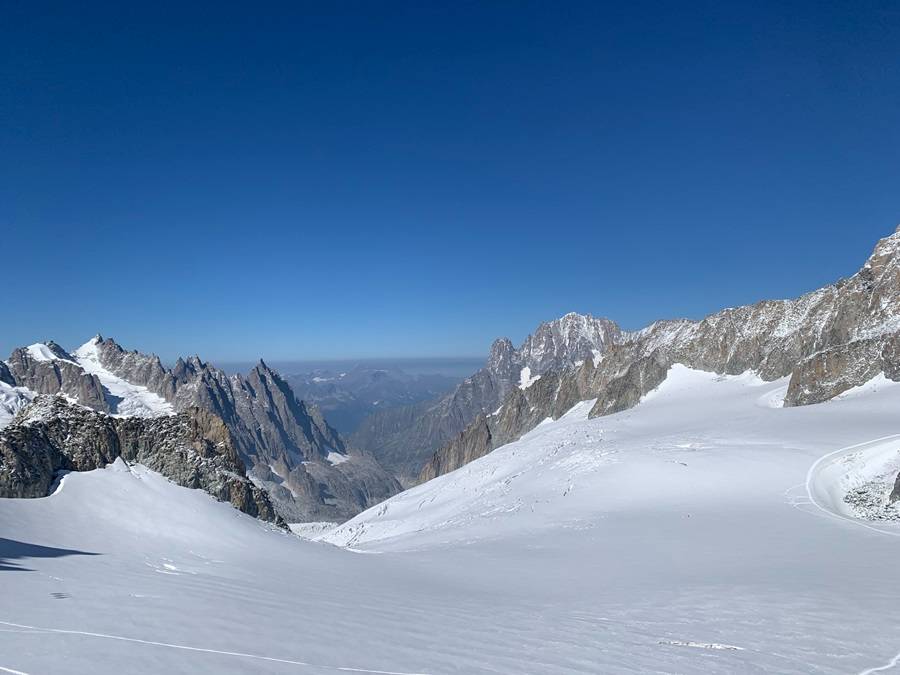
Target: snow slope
[129,399]
[690,534]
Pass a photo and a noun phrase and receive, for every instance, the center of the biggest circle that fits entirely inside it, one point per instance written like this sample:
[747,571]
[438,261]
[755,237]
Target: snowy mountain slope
[828,341]
[677,536]
[699,438]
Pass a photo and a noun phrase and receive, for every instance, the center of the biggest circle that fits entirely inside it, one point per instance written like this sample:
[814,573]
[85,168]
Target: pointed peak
[501,346]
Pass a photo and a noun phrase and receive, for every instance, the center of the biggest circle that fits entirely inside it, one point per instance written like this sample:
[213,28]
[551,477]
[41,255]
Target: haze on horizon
[362,181]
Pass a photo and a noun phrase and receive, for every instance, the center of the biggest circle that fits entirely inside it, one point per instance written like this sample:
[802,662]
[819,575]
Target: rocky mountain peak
[502,354]
[886,256]
[569,339]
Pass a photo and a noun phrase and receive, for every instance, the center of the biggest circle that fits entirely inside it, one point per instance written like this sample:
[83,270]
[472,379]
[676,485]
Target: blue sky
[328,180]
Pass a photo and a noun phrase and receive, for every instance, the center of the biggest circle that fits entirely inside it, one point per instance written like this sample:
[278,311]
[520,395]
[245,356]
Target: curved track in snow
[827,477]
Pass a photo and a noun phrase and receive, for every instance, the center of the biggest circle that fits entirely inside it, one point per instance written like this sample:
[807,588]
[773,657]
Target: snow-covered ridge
[567,468]
[127,399]
[40,351]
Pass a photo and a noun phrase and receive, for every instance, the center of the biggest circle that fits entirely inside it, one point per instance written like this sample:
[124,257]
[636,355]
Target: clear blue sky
[314,180]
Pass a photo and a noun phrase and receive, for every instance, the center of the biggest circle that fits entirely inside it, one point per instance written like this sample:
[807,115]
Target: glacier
[702,531]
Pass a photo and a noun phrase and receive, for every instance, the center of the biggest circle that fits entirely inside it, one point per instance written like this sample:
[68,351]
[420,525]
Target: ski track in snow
[879,669]
[258,657]
[814,484]
[14,672]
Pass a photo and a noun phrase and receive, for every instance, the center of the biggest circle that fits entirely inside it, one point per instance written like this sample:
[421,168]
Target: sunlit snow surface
[676,537]
[127,399]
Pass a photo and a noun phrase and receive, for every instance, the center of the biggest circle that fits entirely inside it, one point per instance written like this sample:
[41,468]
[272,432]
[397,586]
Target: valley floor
[704,531]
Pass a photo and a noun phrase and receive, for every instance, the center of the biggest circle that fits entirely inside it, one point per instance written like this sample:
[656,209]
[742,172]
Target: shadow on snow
[12,550]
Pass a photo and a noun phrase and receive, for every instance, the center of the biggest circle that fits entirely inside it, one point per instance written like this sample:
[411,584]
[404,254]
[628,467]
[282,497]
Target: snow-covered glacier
[705,530]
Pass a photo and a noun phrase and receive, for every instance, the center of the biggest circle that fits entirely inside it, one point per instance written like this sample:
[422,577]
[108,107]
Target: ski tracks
[258,657]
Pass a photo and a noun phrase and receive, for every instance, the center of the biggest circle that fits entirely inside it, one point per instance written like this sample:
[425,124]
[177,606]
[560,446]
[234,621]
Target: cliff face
[193,449]
[827,341]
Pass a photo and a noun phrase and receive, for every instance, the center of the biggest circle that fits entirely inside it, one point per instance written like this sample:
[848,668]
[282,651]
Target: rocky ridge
[308,470]
[827,341]
[193,449]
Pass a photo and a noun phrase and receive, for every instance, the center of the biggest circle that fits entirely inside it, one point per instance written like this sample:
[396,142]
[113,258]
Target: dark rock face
[192,449]
[833,371]
[828,341]
[403,439]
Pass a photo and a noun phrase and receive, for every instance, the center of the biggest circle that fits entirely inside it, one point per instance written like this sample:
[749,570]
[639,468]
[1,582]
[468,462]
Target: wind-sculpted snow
[677,536]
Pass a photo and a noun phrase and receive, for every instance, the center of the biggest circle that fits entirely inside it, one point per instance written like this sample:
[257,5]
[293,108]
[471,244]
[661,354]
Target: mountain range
[249,439]
[289,450]
[828,341]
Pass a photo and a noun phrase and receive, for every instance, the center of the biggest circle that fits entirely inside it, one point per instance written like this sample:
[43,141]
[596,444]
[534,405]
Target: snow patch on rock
[526,379]
[127,399]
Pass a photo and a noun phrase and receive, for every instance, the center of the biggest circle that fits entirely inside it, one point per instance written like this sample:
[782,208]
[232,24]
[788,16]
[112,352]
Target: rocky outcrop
[193,449]
[833,371]
[827,341]
[59,375]
[403,439]
[476,441]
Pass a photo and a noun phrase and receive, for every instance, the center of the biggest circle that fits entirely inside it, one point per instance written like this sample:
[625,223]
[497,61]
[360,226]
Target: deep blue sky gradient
[339,180]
